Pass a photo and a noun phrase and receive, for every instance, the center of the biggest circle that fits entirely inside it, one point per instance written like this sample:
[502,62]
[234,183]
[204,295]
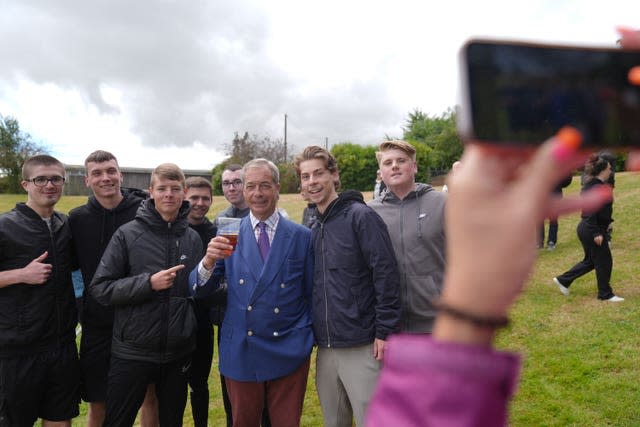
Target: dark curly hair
[594,166]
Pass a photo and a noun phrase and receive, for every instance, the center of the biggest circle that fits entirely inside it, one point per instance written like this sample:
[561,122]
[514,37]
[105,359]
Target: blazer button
[275,334]
[276,310]
[282,285]
[249,308]
[250,333]
[241,281]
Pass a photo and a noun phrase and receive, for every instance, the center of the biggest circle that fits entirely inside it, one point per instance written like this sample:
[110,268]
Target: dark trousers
[553,232]
[199,372]
[284,397]
[128,380]
[595,257]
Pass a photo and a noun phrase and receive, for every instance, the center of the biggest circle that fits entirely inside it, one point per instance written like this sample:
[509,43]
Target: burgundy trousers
[284,397]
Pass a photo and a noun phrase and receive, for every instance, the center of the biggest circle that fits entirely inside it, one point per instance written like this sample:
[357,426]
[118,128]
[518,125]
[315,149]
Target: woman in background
[592,232]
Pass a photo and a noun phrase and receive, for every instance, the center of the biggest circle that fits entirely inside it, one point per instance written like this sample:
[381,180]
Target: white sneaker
[615,298]
[563,289]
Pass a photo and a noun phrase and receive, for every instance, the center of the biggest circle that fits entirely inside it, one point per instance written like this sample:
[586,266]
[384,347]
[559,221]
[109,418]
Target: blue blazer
[266,332]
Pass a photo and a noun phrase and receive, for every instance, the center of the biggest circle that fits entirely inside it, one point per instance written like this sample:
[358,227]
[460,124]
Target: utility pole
[285,137]
[326,143]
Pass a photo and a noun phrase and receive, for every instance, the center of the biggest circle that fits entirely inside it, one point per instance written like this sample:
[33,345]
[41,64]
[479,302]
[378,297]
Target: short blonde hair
[396,144]
[168,171]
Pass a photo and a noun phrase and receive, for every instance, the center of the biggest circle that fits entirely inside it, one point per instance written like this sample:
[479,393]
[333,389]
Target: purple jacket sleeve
[432,383]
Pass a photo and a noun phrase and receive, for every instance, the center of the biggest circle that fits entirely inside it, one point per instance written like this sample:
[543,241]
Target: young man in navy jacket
[356,303]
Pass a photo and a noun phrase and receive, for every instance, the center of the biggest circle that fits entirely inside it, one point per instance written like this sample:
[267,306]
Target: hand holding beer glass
[223,245]
[229,229]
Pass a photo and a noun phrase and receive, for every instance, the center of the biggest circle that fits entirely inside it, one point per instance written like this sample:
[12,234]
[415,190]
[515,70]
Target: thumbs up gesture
[37,272]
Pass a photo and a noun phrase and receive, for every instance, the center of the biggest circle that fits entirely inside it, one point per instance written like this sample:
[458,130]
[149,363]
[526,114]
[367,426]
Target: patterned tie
[263,241]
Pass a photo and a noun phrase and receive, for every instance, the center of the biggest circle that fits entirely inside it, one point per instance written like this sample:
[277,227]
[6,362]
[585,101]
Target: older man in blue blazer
[266,336]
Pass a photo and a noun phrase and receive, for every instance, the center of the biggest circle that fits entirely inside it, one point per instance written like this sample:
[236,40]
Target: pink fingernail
[568,140]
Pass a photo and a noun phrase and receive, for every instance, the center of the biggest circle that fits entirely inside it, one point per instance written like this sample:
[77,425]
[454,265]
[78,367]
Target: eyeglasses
[234,183]
[41,181]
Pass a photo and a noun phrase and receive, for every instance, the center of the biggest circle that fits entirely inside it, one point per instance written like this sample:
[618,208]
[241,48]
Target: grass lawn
[580,354]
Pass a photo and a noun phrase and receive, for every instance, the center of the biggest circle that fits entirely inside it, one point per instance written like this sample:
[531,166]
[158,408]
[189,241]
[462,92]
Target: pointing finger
[175,268]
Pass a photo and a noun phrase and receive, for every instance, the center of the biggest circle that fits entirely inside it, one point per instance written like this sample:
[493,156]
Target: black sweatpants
[595,257]
[128,381]
[200,367]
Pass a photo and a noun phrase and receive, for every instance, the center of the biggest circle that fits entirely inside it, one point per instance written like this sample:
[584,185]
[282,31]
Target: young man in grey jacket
[414,214]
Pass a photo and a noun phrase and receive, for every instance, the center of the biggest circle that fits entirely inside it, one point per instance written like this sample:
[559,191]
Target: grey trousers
[345,380]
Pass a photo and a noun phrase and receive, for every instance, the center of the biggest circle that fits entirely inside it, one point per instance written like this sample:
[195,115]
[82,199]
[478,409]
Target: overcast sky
[158,81]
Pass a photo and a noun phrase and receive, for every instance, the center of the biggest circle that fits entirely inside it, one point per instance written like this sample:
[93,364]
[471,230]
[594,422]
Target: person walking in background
[552,238]
[310,212]
[39,367]
[200,197]
[92,226]
[356,302]
[592,231]
[266,334]
[379,186]
[78,290]
[143,274]
[454,167]
[414,215]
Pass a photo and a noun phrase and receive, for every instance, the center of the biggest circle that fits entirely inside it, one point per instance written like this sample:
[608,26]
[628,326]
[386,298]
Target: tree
[15,147]
[438,133]
[357,165]
[247,147]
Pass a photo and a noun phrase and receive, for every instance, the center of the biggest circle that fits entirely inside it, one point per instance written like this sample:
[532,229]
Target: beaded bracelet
[482,321]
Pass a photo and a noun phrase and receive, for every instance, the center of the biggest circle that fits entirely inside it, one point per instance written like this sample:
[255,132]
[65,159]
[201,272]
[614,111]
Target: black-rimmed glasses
[41,181]
[235,183]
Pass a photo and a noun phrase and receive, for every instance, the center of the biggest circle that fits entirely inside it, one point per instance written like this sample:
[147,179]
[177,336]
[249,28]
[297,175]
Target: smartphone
[522,93]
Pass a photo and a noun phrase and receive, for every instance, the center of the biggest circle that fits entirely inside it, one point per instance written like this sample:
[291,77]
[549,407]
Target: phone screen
[523,93]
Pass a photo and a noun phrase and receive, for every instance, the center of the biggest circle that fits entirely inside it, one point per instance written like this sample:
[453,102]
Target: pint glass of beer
[229,228]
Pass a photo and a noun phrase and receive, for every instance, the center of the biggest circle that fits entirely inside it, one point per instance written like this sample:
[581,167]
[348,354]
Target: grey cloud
[188,71]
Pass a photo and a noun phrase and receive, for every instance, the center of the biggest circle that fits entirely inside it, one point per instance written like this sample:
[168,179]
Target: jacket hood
[129,199]
[344,199]
[389,197]
[148,214]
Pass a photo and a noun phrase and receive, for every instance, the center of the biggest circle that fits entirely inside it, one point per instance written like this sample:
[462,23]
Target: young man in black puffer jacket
[144,275]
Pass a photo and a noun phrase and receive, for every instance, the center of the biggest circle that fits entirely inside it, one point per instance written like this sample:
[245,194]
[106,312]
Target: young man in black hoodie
[143,274]
[356,302]
[92,226]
